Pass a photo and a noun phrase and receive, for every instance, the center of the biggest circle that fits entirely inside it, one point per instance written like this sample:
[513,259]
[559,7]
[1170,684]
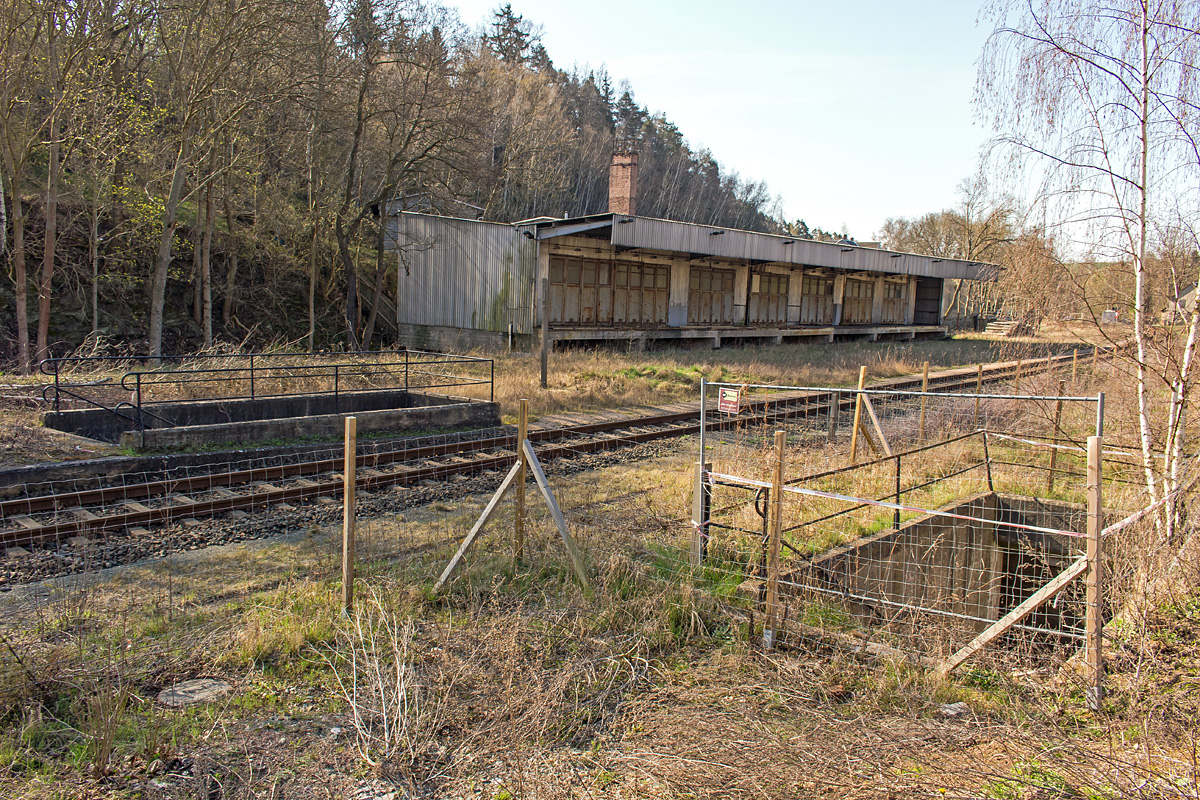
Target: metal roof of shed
[647,233]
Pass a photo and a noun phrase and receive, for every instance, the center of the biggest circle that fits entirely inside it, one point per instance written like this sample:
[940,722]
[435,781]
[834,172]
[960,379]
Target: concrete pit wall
[267,419]
[975,569]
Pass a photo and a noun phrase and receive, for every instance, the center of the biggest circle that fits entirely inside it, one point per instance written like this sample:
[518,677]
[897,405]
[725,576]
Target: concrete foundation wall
[932,562]
[976,569]
[98,423]
[268,412]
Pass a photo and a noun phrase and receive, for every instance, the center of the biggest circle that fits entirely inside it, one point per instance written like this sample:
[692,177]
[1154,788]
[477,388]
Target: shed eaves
[646,233]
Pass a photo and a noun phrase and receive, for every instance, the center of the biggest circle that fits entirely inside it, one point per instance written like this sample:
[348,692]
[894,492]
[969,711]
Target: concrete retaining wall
[933,562]
[971,568]
[449,415]
[98,423]
[265,419]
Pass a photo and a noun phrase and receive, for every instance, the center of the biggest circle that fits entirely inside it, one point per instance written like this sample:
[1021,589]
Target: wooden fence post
[348,480]
[924,388]
[519,511]
[1017,381]
[1058,406]
[775,512]
[1074,364]
[862,379]
[1095,596]
[978,391]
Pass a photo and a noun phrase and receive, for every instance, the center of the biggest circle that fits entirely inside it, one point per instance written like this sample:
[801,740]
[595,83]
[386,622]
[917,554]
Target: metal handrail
[59,389]
[414,367]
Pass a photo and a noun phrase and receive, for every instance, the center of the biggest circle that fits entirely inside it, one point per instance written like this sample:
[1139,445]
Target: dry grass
[518,684]
[579,380]
[609,378]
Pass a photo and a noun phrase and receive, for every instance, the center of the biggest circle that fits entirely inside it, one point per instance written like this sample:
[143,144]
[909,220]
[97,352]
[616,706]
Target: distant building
[1180,309]
[620,277]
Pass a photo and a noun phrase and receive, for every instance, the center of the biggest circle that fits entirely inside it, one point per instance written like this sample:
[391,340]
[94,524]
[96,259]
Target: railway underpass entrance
[937,527]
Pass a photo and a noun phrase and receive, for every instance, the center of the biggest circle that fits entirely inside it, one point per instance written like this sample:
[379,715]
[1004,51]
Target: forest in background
[176,175]
[179,176]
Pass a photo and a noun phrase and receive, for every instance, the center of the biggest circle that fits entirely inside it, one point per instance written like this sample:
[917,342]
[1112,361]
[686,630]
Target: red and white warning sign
[729,401]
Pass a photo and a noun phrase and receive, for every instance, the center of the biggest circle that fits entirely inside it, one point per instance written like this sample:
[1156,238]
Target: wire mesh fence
[936,527]
[957,510]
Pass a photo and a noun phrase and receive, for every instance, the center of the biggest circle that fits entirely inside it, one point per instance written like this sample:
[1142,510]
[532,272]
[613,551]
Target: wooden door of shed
[816,300]
[710,296]
[768,305]
[856,307]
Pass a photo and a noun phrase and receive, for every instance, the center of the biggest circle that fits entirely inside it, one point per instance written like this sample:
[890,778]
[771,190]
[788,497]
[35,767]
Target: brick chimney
[622,181]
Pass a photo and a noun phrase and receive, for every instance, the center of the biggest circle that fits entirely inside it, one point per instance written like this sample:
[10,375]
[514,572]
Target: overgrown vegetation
[517,684]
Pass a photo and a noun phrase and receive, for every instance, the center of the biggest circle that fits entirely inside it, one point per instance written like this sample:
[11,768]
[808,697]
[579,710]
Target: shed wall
[457,273]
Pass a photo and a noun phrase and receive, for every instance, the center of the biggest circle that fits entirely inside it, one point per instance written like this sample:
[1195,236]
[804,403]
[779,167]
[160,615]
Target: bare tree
[20,132]
[413,120]
[1102,93]
[202,47]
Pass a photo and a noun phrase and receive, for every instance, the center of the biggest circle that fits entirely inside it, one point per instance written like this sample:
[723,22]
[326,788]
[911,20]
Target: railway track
[35,520]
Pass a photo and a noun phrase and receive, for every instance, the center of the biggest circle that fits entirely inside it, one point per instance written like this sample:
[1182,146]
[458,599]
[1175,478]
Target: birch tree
[1099,98]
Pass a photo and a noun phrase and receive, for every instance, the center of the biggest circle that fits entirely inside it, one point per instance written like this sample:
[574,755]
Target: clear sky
[853,112]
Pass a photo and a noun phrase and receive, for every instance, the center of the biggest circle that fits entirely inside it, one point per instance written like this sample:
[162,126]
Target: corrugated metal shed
[460,273]
[684,237]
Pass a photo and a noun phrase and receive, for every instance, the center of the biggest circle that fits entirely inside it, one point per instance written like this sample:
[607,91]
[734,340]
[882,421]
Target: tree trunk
[50,243]
[3,219]
[377,292]
[312,291]
[94,253]
[21,281]
[1139,292]
[206,268]
[162,261]
[196,291]
[351,282]
[231,262]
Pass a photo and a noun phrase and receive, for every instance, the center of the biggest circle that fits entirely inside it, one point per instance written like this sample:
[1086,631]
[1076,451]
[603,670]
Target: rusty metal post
[701,509]
[1095,606]
[773,610]
[545,328]
[899,494]
[978,391]
[835,402]
[987,461]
